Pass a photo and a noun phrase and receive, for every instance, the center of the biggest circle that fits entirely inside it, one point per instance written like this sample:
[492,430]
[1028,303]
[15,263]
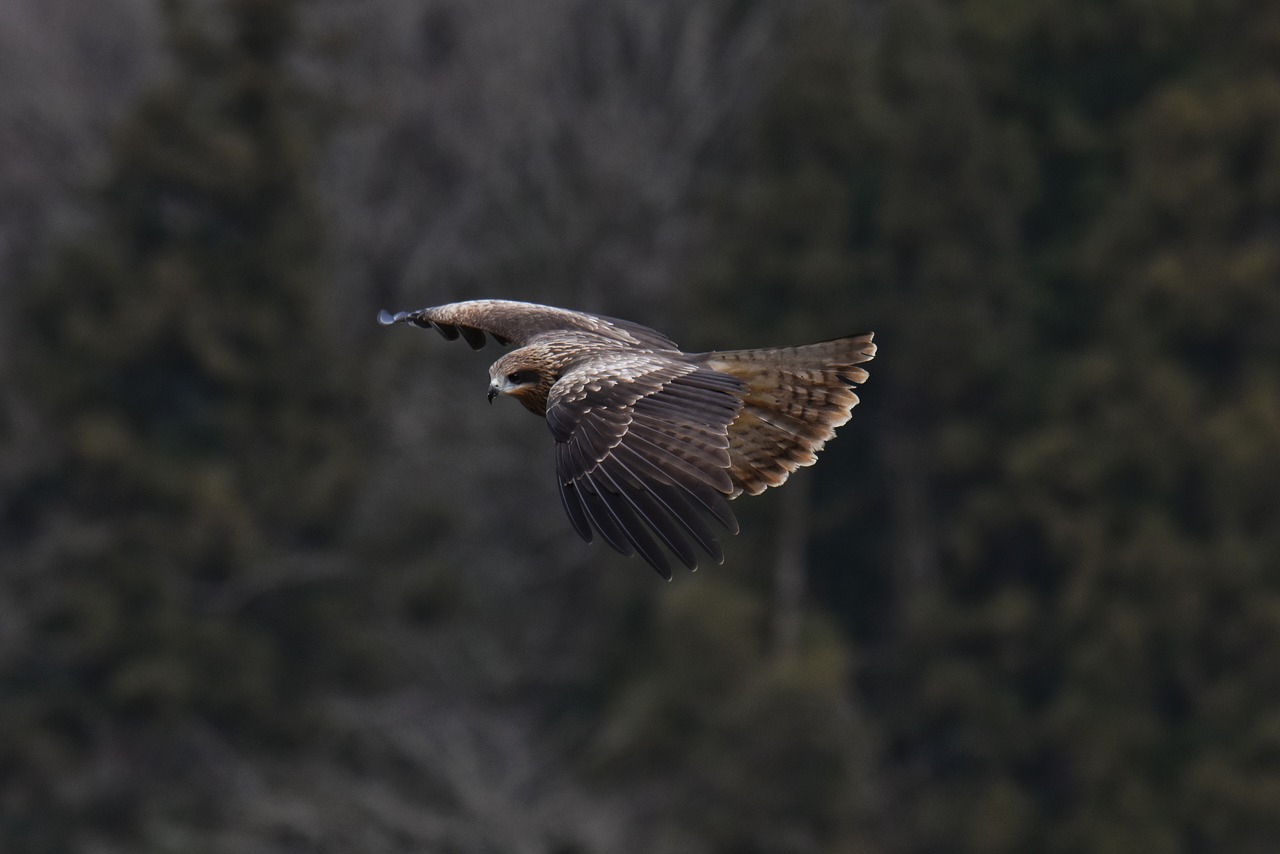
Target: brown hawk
[650,441]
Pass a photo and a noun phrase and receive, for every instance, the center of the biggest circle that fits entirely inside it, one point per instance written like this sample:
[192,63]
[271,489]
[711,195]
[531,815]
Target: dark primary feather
[642,452]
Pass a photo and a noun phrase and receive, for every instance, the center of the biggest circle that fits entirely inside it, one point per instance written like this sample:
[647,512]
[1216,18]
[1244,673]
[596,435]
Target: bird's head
[524,376]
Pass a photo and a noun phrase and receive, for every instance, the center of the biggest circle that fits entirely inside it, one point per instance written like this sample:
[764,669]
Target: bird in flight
[650,441]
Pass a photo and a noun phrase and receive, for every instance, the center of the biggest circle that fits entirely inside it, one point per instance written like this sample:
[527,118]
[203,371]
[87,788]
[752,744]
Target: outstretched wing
[642,451]
[512,322]
[795,399]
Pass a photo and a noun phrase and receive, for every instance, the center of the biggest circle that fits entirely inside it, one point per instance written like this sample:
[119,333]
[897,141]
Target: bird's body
[650,440]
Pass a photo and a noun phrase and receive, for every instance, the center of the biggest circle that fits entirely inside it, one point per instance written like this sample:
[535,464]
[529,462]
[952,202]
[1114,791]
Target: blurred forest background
[273,578]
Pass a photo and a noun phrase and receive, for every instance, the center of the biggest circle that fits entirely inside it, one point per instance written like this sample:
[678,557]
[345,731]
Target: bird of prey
[650,441]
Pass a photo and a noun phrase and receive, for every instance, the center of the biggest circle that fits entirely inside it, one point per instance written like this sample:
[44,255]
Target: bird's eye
[518,377]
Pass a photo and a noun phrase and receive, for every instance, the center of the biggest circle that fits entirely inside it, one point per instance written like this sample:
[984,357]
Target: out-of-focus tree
[942,186]
[66,69]
[1170,600]
[881,196]
[884,195]
[729,744]
[1082,680]
[188,441]
[1057,224]
[550,149]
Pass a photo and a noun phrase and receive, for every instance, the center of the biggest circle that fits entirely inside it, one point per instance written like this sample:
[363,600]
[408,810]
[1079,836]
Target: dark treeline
[275,579]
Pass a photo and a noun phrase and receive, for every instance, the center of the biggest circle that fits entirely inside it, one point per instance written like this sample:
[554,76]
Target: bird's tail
[793,401]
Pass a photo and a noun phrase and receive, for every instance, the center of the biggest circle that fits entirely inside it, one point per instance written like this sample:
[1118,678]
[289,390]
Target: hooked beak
[493,391]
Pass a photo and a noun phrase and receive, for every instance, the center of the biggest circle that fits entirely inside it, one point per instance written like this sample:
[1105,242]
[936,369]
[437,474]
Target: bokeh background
[275,579]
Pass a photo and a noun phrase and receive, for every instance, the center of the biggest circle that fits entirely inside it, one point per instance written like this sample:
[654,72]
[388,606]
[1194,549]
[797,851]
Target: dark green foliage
[197,441]
[1060,222]
[755,750]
